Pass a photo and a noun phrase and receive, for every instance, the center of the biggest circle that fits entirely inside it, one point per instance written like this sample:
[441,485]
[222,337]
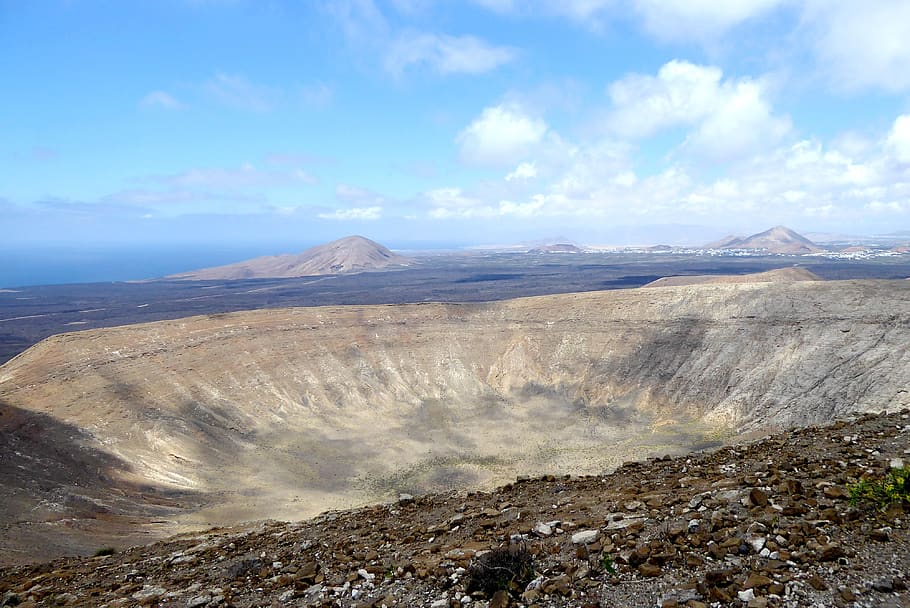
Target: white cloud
[354,214]
[445,54]
[450,203]
[676,20]
[162,100]
[862,44]
[898,141]
[368,31]
[845,181]
[730,117]
[237,91]
[500,136]
[699,20]
[524,171]
[681,93]
[742,124]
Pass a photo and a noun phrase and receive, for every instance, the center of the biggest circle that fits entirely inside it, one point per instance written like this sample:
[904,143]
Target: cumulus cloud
[862,44]
[524,171]
[681,93]
[898,140]
[161,100]
[730,117]
[445,54]
[354,214]
[863,183]
[501,135]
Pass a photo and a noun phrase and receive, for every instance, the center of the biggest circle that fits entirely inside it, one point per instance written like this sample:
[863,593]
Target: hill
[767,523]
[346,255]
[780,275]
[284,413]
[780,240]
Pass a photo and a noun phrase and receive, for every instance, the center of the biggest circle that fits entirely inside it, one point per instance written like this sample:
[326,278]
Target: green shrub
[607,564]
[893,488]
[105,551]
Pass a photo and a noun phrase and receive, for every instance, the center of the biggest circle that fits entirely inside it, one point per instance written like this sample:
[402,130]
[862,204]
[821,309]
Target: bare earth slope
[780,275]
[350,254]
[768,521]
[284,413]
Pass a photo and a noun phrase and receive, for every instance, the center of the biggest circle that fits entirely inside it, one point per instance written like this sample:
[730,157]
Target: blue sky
[414,122]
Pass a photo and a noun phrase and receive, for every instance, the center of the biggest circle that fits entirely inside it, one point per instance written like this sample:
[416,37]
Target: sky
[421,123]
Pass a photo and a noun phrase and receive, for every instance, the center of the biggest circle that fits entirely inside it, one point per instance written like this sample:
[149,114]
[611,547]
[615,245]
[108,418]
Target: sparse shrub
[893,488]
[105,551]
[502,569]
[607,564]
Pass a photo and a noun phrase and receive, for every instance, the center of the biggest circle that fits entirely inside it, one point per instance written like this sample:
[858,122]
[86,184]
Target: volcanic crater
[127,434]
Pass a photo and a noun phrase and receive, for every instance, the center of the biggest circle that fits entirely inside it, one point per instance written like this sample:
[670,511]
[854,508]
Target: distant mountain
[556,248]
[350,254]
[727,241]
[779,239]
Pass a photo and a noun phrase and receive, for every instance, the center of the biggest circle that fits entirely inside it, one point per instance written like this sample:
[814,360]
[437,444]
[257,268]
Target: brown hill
[728,241]
[780,275]
[780,240]
[769,522]
[350,254]
[284,413]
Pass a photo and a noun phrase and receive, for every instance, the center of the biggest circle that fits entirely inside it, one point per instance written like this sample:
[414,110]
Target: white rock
[897,463]
[199,600]
[287,596]
[757,543]
[622,524]
[148,592]
[584,537]
[746,596]
[542,529]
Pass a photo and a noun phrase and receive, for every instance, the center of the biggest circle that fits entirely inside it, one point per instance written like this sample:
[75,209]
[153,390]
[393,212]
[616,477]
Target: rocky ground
[767,523]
